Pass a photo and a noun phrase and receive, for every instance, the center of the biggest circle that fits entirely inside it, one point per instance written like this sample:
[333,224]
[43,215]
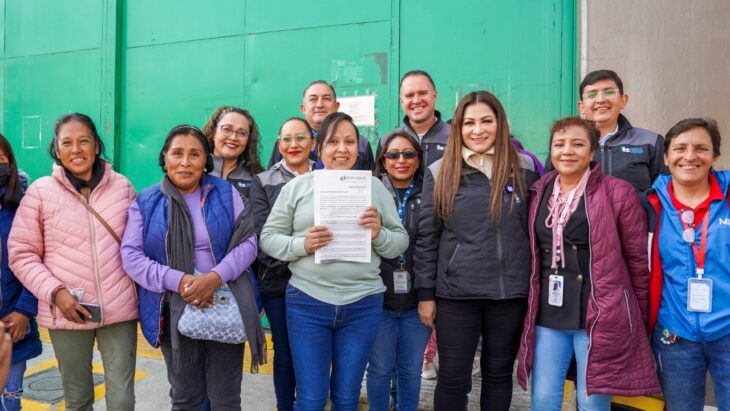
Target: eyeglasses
[227,131]
[407,154]
[688,217]
[606,93]
[287,139]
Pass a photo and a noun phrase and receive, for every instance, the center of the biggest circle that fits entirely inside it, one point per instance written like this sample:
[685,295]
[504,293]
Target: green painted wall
[140,67]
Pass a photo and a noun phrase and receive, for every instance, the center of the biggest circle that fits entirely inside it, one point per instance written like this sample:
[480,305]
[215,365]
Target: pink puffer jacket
[56,242]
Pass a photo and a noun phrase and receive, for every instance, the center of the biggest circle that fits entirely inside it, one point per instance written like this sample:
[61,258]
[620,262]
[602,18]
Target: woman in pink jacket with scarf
[589,287]
[64,247]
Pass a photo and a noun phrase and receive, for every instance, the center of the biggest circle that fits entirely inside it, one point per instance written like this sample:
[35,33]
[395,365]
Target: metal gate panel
[507,48]
[171,84]
[276,15]
[355,58]
[51,26]
[151,22]
[42,89]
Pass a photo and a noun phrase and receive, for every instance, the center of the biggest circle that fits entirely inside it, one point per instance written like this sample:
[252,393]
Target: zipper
[205,220]
[500,262]
[628,310]
[158,339]
[610,161]
[1,283]
[593,295]
[531,294]
[95,263]
[453,255]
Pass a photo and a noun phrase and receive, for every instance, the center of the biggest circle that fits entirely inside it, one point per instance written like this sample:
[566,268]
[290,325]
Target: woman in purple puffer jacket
[589,290]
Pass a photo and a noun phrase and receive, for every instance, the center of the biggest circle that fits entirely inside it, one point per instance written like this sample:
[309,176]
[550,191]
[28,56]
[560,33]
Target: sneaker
[429,371]
[475,366]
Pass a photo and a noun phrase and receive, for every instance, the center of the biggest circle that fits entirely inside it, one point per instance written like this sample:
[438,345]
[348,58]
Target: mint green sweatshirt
[335,283]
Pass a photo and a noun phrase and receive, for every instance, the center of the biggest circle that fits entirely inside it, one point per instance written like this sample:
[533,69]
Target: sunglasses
[407,154]
[688,217]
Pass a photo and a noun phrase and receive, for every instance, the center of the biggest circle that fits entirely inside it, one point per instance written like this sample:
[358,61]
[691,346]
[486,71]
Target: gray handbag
[221,323]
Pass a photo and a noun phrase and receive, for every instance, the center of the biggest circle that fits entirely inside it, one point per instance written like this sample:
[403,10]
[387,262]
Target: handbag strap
[93,212]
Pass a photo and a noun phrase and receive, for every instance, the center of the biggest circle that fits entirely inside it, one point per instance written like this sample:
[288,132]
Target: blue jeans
[284,380]
[398,347]
[14,387]
[683,367]
[326,337]
[554,351]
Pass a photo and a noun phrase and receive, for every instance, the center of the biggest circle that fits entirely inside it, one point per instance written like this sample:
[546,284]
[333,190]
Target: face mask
[4,174]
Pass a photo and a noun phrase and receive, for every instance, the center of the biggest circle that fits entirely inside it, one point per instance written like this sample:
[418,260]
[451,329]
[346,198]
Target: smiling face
[339,150]
[479,129]
[318,102]
[596,106]
[418,99]
[231,136]
[76,149]
[690,157]
[185,162]
[400,169]
[570,151]
[295,144]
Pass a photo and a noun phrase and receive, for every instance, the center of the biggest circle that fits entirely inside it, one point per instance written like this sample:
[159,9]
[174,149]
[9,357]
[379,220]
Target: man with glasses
[318,101]
[418,98]
[632,154]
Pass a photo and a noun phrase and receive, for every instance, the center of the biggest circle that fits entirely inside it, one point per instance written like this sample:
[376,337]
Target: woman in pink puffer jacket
[69,259]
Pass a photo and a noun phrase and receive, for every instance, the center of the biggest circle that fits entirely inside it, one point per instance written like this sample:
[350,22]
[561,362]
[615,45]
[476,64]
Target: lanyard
[699,253]
[402,212]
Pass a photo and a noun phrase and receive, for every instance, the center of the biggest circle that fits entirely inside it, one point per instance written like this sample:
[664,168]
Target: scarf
[97,173]
[180,250]
[560,207]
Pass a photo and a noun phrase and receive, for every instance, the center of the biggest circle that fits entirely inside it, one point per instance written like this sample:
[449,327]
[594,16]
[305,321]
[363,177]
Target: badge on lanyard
[699,289]
[401,281]
[699,295]
[555,290]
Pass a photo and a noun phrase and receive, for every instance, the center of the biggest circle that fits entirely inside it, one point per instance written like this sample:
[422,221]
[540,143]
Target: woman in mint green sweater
[333,310]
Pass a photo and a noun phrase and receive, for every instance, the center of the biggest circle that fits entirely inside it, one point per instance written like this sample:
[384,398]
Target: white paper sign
[340,198]
[360,108]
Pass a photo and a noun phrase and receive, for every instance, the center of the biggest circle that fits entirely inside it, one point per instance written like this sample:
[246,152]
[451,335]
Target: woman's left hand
[201,291]
[370,219]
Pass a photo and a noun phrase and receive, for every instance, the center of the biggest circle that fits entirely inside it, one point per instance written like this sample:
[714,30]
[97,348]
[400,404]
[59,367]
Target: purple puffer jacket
[620,361]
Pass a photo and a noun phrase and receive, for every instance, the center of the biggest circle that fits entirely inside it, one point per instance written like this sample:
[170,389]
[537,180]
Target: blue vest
[219,219]
[679,264]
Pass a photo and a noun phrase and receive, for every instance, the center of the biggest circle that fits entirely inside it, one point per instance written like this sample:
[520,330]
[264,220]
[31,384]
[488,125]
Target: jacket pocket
[628,311]
[453,256]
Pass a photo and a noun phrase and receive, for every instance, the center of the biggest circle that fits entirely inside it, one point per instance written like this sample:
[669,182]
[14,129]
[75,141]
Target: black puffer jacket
[393,301]
[467,256]
[273,274]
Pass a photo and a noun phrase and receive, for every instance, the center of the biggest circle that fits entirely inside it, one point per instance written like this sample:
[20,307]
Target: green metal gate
[140,67]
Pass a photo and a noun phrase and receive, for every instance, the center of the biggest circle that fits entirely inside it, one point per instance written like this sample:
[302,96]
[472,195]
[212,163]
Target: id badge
[699,295]
[401,281]
[555,290]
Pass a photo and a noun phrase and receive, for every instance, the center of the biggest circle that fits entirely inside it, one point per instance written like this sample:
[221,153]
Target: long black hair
[14,189]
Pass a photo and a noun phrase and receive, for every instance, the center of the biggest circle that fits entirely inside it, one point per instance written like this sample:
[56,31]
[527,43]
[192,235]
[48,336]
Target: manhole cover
[45,386]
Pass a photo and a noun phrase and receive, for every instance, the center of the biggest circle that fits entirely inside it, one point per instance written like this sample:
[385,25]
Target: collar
[310,165]
[435,126]
[468,154]
[715,194]
[609,135]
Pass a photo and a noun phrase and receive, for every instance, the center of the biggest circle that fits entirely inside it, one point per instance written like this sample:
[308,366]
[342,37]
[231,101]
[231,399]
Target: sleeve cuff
[224,271]
[381,239]
[426,294]
[171,279]
[298,247]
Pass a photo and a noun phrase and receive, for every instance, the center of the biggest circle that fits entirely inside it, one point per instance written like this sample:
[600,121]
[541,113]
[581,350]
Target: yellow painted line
[641,403]
[145,350]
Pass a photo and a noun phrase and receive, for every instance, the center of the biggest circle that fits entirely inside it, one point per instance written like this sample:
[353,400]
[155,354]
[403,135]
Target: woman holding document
[333,309]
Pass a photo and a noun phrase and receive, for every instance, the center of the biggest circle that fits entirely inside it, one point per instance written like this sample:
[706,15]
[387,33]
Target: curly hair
[251,154]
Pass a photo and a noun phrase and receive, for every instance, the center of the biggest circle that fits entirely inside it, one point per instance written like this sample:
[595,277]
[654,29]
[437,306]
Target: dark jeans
[217,373]
[284,381]
[459,324]
[330,345]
